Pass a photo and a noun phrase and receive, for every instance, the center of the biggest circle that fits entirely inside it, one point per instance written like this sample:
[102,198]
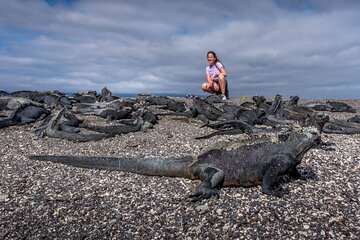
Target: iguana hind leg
[279,166]
[212,178]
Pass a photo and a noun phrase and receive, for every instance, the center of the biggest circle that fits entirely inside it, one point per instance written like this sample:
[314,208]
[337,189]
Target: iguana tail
[146,166]
[7,122]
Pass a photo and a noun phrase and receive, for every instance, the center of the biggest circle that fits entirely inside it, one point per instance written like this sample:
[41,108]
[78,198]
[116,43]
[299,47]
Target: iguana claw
[204,193]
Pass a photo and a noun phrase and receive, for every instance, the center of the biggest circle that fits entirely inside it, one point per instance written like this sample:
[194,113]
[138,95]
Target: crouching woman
[215,76]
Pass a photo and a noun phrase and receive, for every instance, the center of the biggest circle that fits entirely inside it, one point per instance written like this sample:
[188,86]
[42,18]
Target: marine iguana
[238,163]
[106,95]
[341,127]
[64,125]
[333,106]
[141,120]
[203,108]
[355,119]
[24,114]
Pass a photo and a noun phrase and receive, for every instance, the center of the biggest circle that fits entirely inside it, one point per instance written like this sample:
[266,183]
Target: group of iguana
[293,131]
[59,114]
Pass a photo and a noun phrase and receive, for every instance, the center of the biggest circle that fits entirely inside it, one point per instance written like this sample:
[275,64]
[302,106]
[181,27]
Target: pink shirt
[214,69]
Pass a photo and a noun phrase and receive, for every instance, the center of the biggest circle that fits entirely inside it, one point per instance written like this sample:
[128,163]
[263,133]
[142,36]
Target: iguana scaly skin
[238,163]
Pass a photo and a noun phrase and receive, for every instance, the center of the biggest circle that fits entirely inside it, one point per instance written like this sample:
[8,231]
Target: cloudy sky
[292,47]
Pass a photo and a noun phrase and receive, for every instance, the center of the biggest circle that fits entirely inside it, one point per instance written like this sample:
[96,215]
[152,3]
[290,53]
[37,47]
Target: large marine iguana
[238,163]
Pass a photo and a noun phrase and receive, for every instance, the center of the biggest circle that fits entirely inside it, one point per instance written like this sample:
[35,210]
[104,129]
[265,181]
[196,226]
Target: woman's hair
[214,54]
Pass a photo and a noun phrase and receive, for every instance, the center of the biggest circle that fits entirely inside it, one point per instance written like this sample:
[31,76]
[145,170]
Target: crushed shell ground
[41,200]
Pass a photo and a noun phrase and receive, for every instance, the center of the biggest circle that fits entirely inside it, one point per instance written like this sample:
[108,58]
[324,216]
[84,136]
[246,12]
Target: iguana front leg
[212,178]
[281,165]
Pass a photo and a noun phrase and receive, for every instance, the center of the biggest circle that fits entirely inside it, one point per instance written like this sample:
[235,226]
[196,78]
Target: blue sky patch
[55,2]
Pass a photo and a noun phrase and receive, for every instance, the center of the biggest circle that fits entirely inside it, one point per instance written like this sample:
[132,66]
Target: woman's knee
[205,86]
[221,77]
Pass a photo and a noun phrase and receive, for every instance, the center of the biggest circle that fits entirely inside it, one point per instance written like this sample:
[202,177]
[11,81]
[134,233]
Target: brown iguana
[239,163]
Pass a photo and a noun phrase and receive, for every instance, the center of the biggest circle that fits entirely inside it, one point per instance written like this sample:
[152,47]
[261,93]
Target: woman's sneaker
[223,97]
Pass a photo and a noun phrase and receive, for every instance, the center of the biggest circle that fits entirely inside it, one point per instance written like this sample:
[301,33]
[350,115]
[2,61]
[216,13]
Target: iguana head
[302,139]
[317,120]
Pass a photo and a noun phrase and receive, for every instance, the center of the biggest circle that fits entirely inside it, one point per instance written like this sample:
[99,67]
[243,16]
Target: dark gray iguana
[24,114]
[64,125]
[239,163]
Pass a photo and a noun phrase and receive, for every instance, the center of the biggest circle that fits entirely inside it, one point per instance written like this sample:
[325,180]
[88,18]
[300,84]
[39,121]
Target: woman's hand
[214,75]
